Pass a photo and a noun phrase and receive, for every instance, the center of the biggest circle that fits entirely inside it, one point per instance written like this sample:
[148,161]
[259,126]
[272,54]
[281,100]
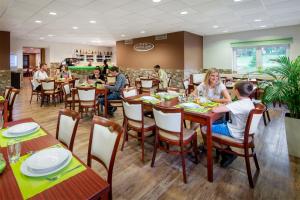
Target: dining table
[203,118]
[86,184]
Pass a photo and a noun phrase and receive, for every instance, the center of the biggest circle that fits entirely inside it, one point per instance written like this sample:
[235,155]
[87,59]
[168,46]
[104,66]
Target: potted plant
[286,89]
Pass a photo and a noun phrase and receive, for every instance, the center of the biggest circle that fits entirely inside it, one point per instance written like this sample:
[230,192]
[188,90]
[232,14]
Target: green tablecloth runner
[198,110]
[85,67]
[30,186]
[149,101]
[4,140]
[1,98]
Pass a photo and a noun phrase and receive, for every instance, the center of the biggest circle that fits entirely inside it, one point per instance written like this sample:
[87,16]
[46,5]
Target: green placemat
[198,110]
[4,140]
[1,98]
[149,101]
[30,186]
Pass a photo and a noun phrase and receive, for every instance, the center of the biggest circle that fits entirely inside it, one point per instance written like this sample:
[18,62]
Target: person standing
[105,68]
[39,75]
[162,76]
[115,90]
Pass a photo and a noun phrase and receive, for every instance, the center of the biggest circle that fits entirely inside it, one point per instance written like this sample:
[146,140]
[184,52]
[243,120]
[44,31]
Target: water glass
[191,98]
[152,92]
[14,151]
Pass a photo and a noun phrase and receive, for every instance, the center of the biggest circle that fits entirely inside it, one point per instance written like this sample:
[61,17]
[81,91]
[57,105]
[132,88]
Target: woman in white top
[212,88]
[39,75]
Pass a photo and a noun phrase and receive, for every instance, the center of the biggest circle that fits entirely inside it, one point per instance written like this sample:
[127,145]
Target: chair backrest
[103,144]
[12,97]
[76,83]
[185,84]
[67,126]
[129,92]
[253,121]
[7,92]
[197,78]
[66,89]
[173,90]
[110,80]
[133,110]
[4,112]
[86,94]
[48,85]
[146,83]
[168,119]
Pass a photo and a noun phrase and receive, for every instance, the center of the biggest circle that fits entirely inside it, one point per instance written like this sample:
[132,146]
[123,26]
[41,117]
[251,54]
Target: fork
[54,178]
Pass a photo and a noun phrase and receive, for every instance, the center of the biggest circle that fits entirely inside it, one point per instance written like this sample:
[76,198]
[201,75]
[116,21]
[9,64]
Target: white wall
[218,51]
[55,52]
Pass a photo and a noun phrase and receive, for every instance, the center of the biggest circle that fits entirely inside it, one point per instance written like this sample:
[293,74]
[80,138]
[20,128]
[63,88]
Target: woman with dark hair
[97,75]
[64,72]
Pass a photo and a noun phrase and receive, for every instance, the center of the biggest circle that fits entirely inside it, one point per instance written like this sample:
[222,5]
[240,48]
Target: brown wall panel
[193,52]
[4,50]
[167,53]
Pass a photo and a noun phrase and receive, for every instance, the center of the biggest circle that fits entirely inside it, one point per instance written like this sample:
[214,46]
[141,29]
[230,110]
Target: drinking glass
[152,92]
[13,150]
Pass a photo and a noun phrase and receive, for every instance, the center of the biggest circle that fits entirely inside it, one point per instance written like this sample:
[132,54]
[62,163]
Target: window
[252,59]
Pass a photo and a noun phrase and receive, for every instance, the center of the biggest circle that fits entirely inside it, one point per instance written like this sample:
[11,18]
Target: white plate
[22,128]
[190,105]
[26,171]
[47,159]
[9,135]
[149,98]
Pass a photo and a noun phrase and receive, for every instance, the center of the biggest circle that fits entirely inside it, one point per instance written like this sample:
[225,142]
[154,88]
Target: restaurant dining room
[149,99]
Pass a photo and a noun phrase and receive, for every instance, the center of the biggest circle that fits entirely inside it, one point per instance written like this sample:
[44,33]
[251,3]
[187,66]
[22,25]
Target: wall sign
[143,46]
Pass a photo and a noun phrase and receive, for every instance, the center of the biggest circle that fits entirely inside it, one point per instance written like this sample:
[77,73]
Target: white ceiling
[130,17]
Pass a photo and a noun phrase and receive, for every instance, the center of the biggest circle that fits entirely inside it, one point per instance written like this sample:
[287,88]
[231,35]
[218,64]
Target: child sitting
[239,111]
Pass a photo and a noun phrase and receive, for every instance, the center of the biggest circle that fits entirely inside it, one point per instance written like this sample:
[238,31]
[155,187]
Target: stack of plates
[21,130]
[45,162]
[190,105]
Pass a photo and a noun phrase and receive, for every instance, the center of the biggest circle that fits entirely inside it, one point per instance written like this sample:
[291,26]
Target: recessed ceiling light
[50,35]
[225,31]
[156,1]
[75,27]
[263,26]
[92,21]
[38,21]
[215,26]
[143,32]
[52,13]
[95,41]
[237,0]
[123,35]
[257,20]
[41,38]
[184,12]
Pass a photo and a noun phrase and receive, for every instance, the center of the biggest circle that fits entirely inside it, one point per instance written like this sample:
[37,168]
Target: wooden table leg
[105,105]
[209,152]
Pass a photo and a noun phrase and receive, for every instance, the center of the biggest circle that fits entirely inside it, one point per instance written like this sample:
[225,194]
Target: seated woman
[212,88]
[64,72]
[97,75]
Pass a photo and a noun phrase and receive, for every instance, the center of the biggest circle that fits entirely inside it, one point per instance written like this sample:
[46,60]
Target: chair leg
[125,136]
[156,145]
[184,123]
[248,167]
[268,115]
[183,164]
[195,148]
[31,98]
[142,145]
[264,118]
[255,159]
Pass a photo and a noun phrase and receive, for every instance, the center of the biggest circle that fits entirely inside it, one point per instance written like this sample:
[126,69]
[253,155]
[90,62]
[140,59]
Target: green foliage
[286,86]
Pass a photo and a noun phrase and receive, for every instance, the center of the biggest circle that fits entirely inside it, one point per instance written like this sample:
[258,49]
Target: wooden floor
[279,177]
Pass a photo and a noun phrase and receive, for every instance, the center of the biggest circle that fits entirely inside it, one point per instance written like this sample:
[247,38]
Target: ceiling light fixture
[156,1]
[50,35]
[225,31]
[92,21]
[41,38]
[143,32]
[75,27]
[257,20]
[123,35]
[52,13]
[263,26]
[215,26]
[237,0]
[184,12]
[38,21]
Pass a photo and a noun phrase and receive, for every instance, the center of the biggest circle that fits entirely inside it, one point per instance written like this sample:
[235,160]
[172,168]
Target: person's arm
[118,84]
[220,109]
[226,99]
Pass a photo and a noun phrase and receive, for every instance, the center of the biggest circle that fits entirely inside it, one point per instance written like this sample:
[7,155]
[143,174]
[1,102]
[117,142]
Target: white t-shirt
[215,93]
[239,114]
[38,75]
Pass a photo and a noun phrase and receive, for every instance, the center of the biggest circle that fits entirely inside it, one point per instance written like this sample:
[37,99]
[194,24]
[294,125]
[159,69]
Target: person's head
[212,77]
[156,68]
[97,71]
[243,88]
[105,62]
[114,70]
[43,66]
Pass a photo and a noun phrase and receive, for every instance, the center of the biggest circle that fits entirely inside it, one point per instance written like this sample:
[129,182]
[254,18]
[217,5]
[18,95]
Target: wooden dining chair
[7,92]
[129,92]
[146,85]
[69,99]
[49,90]
[34,92]
[11,103]
[170,130]
[4,112]
[196,79]
[103,145]
[87,100]
[222,142]
[173,90]
[136,121]
[67,127]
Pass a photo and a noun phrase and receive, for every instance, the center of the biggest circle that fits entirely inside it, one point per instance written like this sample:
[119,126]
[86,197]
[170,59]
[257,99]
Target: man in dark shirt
[114,91]
[105,68]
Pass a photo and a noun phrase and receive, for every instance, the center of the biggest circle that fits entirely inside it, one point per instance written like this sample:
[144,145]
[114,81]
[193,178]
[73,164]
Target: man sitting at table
[39,75]
[162,76]
[115,90]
